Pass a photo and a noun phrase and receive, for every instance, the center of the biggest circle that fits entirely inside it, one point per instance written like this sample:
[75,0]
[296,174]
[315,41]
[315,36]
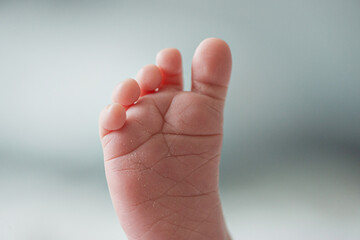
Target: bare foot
[162,153]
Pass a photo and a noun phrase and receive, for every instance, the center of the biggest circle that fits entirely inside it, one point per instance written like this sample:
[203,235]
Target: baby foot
[162,146]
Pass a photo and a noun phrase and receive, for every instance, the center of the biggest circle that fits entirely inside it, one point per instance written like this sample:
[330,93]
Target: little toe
[112,117]
[170,64]
[149,78]
[211,68]
[126,93]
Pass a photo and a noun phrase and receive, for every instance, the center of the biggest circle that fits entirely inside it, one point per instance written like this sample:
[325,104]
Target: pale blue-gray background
[291,156]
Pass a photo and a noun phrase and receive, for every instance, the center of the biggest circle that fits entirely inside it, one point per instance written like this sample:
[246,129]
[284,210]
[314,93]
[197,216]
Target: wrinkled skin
[162,162]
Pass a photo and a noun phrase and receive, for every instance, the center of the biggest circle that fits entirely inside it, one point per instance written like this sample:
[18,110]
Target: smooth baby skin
[162,154]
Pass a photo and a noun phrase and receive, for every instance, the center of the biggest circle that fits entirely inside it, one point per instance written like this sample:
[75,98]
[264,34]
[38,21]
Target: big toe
[211,68]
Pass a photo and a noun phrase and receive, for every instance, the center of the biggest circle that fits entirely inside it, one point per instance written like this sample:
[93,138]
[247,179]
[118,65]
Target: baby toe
[113,117]
[149,78]
[126,93]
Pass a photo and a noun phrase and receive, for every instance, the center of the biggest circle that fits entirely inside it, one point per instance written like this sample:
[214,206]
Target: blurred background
[291,157]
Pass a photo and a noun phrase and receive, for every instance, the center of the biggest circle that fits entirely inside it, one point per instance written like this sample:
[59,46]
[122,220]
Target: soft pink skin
[149,78]
[162,166]
[113,116]
[126,93]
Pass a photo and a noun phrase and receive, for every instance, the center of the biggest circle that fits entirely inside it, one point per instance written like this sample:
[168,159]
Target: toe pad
[113,117]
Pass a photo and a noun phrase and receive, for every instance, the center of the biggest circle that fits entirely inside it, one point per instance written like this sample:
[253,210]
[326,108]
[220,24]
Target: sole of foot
[162,146]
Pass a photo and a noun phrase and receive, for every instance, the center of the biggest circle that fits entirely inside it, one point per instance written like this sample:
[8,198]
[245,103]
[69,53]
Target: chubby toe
[113,117]
[126,93]
[211,68]
[149,78]
[170,64]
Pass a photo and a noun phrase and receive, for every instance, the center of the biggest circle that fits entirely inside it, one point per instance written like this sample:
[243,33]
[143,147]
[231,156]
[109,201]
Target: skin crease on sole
[162,146]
